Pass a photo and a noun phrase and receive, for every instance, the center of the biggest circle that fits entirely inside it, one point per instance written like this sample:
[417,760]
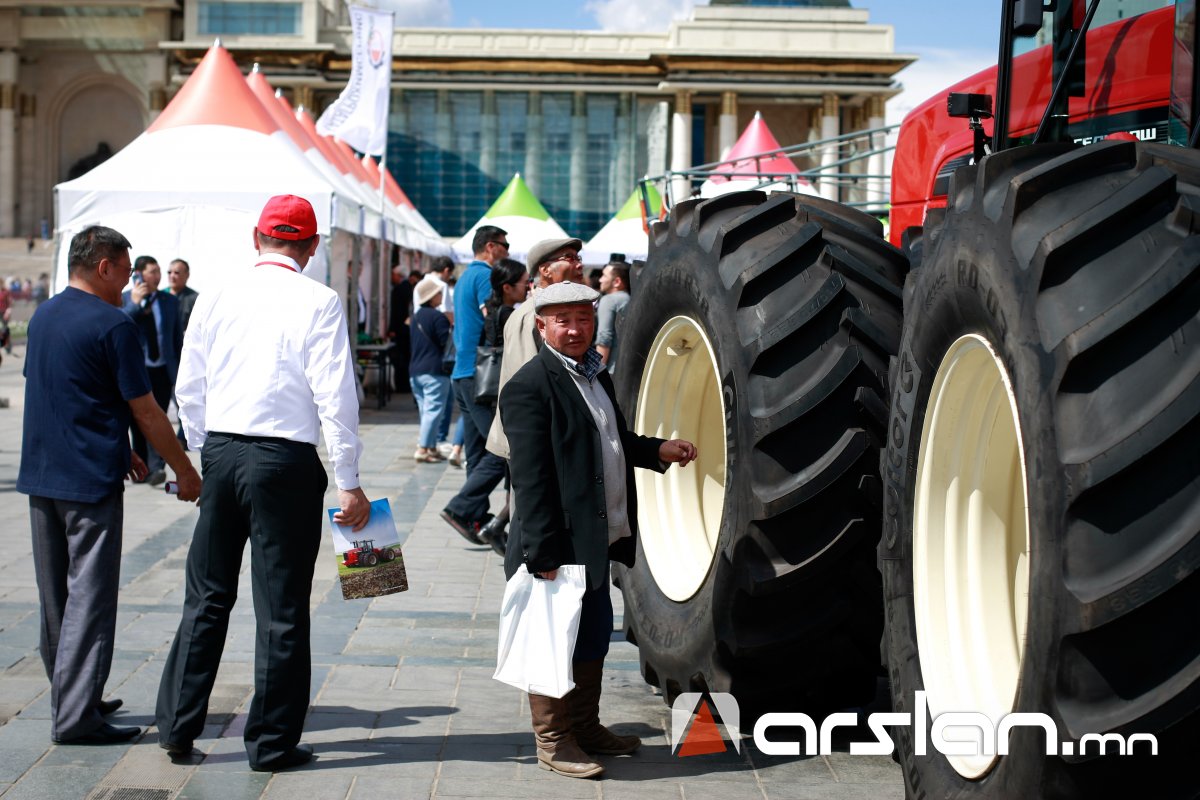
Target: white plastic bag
[539,621]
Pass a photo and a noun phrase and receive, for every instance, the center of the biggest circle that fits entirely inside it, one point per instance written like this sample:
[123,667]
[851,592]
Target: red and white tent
[192,185]
[749,170]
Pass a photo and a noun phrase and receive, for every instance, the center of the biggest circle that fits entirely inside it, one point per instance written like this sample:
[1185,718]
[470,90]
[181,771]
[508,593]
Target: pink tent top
[757,138]
[326,145]
[390,187]
[390,182]
[310,128]
[215,94]
[356,166]
[285,120]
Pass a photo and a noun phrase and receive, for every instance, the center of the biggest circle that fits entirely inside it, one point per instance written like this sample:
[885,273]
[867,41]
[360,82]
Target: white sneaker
[445,448]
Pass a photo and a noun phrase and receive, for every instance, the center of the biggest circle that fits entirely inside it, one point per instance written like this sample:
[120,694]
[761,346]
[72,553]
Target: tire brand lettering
[903,400]
[729,396]
[967,275]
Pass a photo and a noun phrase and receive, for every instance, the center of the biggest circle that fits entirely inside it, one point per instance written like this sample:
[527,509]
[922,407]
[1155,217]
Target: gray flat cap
[565,293]
[548,247]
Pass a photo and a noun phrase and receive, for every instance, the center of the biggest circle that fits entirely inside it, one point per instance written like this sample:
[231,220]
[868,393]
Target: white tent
[517,211]
[625,233]
[192,185]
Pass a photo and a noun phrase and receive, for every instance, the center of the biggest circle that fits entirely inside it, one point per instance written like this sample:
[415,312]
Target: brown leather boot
[557,750]
[583,703]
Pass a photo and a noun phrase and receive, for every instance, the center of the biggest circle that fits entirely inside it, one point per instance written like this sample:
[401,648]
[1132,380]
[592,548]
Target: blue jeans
[431,393]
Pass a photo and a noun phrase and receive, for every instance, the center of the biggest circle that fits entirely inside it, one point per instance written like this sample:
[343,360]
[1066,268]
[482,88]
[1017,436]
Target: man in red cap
[258,383]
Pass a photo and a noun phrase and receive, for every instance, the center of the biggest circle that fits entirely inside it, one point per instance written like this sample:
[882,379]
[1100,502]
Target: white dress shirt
[267,354]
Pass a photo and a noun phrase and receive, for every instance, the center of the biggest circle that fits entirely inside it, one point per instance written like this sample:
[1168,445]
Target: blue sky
[953,39]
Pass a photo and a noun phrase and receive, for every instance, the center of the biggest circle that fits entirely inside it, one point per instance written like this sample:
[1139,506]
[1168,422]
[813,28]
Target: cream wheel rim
[971,545]
[679,512]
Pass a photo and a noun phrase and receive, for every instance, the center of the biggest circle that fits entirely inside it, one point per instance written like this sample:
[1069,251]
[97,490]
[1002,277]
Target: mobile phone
[137,278]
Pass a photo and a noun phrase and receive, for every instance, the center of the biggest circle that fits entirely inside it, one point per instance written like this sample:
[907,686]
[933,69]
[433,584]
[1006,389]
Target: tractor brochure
[369,562]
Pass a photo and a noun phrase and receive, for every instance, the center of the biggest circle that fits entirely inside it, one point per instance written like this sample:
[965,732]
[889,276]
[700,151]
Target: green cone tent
[624,233]
[518,211]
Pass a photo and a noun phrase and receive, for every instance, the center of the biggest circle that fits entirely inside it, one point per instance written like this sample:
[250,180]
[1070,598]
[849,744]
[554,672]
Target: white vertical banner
[359,116]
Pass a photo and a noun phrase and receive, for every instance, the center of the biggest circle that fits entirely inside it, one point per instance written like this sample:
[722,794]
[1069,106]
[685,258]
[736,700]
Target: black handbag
[487,374]
[487,360]
[449,355]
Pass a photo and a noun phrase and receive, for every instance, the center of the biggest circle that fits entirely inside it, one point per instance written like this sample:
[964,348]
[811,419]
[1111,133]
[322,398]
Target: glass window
[259,18]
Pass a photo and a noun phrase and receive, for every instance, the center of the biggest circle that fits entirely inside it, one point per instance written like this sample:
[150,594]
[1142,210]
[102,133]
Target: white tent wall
[216,242]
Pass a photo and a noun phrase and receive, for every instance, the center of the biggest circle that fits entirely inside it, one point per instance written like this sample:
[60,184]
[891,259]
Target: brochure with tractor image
[369,562]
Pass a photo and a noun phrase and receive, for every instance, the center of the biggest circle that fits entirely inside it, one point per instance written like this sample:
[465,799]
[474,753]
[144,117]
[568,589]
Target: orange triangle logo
[703,736]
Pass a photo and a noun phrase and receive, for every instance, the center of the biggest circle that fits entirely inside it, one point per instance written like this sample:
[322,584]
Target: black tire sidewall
[676,636]
[956,294]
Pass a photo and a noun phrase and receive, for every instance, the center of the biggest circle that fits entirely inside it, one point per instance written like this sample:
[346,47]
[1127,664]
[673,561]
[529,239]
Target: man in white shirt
[266,369]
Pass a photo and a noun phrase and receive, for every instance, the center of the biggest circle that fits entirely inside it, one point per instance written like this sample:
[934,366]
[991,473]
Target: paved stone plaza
[403,703]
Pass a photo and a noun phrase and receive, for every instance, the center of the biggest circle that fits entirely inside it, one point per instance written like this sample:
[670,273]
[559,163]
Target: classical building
[580,114]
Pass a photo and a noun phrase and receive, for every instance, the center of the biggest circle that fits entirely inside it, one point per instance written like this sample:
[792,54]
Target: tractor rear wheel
[387,554]
[1041,537]
[761,330]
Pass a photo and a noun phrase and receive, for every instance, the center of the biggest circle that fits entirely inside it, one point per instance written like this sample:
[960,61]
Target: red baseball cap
[290,210]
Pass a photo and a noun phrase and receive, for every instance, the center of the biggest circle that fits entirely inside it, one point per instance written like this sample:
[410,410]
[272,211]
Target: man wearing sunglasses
[490,244]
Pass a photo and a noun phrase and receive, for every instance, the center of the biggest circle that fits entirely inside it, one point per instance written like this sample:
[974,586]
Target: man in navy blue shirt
[85,382]
[472,290]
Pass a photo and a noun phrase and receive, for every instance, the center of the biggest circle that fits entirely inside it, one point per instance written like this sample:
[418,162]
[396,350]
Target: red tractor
[977,444]
[366,554]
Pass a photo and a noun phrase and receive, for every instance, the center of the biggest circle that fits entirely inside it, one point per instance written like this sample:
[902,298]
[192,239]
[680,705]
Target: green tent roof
[517,201]
[632,208]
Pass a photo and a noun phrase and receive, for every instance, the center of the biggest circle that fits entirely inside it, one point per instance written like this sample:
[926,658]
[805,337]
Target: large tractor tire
[761,329]
[1042,475]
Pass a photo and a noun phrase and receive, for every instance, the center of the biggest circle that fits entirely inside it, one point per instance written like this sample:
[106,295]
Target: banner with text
[359,116]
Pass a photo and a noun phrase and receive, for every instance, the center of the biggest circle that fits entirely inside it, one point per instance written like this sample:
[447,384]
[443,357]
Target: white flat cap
[564,293]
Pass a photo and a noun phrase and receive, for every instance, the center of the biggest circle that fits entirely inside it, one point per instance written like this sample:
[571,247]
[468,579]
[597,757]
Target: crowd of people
[256,386]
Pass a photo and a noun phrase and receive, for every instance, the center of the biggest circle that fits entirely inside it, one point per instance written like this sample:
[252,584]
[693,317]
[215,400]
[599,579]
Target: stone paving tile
[403,703]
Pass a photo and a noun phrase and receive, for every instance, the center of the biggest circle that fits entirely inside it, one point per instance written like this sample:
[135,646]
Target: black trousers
[271,492]
[161,388]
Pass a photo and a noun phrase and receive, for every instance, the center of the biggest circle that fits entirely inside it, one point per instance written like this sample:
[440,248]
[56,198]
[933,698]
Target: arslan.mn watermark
[958,733]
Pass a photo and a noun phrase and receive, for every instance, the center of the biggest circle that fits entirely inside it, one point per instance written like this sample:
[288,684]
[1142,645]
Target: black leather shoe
[493,534]
[106,707]
[177,749]
[105,734]
[156,478]
[464,527]
[300,754]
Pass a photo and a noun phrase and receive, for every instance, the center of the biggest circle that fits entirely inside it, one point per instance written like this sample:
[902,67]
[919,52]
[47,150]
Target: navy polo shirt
[83,365]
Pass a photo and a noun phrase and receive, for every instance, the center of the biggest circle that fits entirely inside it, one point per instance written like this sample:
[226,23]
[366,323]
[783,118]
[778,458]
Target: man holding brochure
[258,383]
[562,420]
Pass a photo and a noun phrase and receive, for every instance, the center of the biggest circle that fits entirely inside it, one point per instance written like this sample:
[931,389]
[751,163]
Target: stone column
[533,143]
[441,121]
[8,143]
[156,79]
[488,131]
[878,188]
[579,187]
[829,129]
[27,199]
[681,146]
[621,182]
[727,124]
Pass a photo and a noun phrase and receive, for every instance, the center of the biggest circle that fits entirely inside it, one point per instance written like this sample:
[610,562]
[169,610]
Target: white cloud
[639,15]
[935,71]
[418,13]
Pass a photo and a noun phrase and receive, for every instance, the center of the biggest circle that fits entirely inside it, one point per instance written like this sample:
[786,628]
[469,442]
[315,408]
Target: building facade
[580,114]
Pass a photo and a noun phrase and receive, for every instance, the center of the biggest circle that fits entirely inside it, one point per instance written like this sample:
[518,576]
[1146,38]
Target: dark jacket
[557,473]
[172,326]
[430,330]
